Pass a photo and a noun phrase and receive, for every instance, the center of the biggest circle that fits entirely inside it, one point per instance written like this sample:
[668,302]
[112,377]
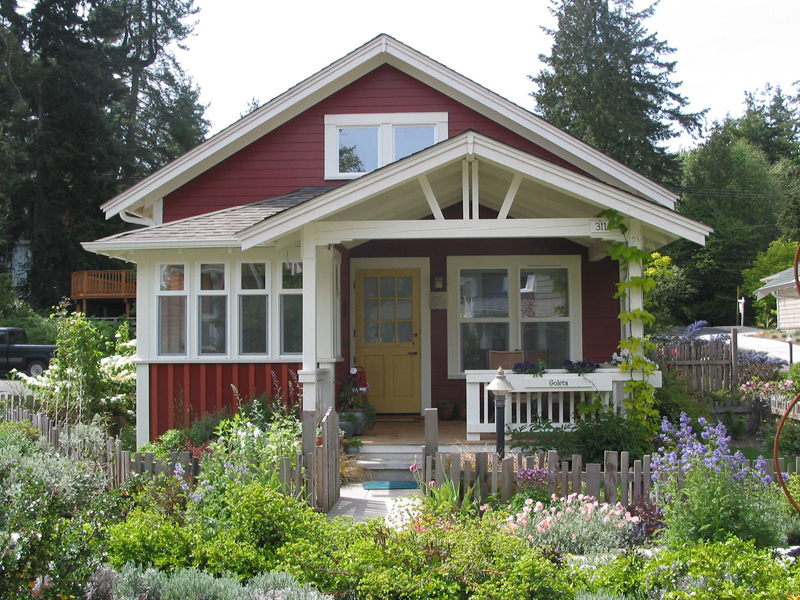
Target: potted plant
[446,410]
[537,369]
[461,409]
[347,423]
[352,401]
[581,367]
[352,445]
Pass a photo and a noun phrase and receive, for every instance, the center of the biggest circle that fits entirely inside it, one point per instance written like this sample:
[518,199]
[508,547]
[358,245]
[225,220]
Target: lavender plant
[708,492]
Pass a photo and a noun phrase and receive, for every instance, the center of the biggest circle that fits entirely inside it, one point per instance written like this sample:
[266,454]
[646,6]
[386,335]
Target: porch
[103,285]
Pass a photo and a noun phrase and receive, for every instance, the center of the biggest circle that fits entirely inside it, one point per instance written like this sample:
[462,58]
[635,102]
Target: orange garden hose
[789,408]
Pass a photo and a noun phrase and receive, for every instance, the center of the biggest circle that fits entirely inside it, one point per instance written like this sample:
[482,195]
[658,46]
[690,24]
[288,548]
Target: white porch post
[142,404]
[308,374]
[635,295]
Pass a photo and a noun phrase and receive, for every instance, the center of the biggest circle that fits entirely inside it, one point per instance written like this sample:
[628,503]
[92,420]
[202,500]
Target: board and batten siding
[292,155]
[183,392]
[600,310]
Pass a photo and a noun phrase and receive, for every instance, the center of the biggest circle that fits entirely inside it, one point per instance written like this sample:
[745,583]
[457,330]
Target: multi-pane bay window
[291,308]
[253,309]
[212,309]
[171,309]
[489,312]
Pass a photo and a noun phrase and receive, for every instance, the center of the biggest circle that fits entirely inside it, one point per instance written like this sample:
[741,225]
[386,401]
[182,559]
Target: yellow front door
[387,342]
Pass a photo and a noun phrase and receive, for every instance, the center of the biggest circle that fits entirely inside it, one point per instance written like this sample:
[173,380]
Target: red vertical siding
[598,286]
[292,155]
[183,392]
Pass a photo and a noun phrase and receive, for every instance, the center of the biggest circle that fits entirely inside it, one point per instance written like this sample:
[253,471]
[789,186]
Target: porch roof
[531,196]
[782,281]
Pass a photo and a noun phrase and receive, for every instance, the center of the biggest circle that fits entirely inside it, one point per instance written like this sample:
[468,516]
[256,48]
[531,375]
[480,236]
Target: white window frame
[238,292]
[199,294]
[184,293]
[386,123]
[279,307]
[513,264]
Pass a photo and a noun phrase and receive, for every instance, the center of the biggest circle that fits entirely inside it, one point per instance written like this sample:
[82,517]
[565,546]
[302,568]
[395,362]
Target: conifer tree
[607,82]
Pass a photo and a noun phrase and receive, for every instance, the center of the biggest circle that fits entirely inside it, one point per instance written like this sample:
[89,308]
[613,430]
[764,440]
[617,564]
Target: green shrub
[733,569]
[676,395]
[22,435]
[790,436]
[147,537]
[430,558]
[135,583]
[189,584]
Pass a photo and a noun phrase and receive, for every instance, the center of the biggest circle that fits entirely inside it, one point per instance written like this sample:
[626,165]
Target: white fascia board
[525,123]
[346,70]
[356,191]
[118,246]
[506,157]
[250,128]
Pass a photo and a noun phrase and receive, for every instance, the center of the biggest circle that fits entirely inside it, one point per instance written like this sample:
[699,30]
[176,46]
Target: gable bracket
[431,198]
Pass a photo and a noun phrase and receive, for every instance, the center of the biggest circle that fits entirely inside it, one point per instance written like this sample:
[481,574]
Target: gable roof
[383,49]
[266,221]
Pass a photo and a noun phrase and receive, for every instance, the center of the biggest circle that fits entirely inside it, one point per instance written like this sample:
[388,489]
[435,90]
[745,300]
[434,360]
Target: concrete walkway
[358,504]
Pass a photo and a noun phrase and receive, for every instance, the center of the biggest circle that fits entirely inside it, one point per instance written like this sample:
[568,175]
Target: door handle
[413,353]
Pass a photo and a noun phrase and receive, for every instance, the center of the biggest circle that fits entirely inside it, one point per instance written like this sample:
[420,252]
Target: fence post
[431,431]
[734,360]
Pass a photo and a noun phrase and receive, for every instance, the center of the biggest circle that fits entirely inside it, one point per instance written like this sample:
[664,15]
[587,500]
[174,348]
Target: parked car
[16,353]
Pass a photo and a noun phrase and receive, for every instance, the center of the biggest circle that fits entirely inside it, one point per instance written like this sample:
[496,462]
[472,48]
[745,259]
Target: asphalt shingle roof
[222,224]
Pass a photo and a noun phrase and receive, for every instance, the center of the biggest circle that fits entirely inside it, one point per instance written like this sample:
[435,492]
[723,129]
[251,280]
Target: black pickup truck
[16,353]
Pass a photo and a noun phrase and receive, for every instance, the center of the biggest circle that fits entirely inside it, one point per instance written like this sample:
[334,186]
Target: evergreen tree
[68,130]
[607,82]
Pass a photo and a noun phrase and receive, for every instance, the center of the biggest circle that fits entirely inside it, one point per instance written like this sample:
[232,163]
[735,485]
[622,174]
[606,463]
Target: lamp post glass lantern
[790,340]
[500,387]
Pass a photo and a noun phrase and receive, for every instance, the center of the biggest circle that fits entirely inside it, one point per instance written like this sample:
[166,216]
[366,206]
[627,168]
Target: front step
[391,462]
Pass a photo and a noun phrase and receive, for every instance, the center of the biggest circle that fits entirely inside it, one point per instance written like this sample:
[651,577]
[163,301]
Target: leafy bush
[732,569]
[148,537]
[757,363]
[429,558]
[676,395]
[532,484]
[590,437]
[186,584]
[650,523]
[576,524]
[707,492]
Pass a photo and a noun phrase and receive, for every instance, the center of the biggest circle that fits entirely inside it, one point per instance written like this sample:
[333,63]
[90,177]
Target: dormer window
[359,144]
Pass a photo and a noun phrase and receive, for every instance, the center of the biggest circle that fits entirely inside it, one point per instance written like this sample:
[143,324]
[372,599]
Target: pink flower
[432,484]
[484,506]
[528,502]
[413,468]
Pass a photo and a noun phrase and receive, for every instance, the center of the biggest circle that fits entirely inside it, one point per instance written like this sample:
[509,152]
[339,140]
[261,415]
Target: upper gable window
[359,144]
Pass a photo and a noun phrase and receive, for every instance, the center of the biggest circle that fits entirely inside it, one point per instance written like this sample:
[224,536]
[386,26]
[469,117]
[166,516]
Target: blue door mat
[390,485]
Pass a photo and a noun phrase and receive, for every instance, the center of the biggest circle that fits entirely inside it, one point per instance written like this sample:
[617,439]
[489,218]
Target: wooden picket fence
[321,490]
[618,479]
[709,366]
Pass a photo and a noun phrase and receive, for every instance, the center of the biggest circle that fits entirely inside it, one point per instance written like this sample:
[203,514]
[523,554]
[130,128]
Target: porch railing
[554,396]
[103,284]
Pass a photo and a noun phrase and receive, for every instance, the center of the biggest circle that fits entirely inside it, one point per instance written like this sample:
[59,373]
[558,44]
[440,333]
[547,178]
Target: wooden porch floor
[398,430]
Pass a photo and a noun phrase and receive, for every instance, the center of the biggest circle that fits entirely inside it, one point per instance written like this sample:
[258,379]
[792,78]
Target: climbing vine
[640,393]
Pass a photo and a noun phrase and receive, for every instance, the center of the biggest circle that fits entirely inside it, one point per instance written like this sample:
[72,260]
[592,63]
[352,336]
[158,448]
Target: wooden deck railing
[103,284]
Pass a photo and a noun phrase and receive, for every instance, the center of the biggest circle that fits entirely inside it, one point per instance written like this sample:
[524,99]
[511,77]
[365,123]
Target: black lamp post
[790,340]
[500,387]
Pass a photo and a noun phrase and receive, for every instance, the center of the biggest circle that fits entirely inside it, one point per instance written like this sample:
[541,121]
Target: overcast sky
[247,49]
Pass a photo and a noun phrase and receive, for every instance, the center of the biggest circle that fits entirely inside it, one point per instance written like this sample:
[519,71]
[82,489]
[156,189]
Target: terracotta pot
[446,411]
[461,409]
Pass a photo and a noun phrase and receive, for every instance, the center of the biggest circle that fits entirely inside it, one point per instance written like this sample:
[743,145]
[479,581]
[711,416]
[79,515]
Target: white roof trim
[484,148]
[383,49]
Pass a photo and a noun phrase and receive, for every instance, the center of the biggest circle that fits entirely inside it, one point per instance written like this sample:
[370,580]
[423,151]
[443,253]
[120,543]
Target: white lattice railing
[554,397]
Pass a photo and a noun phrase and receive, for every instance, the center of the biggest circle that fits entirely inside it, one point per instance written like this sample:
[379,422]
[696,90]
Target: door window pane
[404,287]
[405,309]
[172,278]
[212,277]
[370,287]
[484,293]
[253,324]
[553,337]
[172,325]
[371,332]
[387,310]
[358,149]
[476,341]
[292,324]
[387,332]
[387,287]
[254,276]
[213,324]
[408,140]
[370,310]
[544,293]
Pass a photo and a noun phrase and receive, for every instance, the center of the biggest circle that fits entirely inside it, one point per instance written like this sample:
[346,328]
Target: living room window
[360,143]
[171,302]
[540,316]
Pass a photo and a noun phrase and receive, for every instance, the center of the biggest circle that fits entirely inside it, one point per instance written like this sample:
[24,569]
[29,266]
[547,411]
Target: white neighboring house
[782,286]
